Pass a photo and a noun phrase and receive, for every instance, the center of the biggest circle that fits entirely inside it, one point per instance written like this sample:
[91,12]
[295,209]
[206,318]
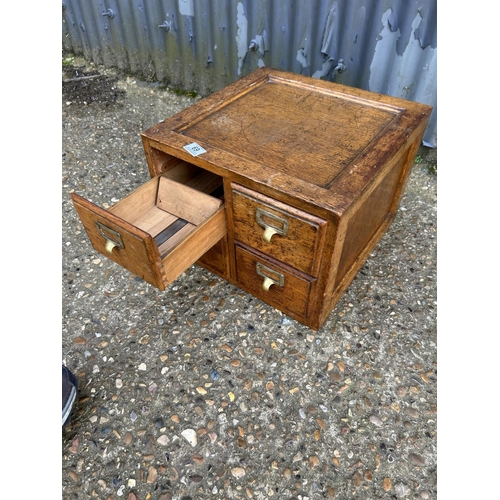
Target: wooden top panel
[303,132]
[317,141]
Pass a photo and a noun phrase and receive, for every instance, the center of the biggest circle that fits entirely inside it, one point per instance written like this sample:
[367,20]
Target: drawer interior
[172,205]
[196,178]
[161,163]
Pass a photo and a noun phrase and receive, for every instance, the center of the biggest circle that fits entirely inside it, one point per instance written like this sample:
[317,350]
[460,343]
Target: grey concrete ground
[204,392]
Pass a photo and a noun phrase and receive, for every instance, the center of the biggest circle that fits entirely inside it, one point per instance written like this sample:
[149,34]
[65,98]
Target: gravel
[203,391]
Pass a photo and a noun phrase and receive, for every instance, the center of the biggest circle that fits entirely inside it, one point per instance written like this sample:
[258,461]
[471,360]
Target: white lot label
[194,149]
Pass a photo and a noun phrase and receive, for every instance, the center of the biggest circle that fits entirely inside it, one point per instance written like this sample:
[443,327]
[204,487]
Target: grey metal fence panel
[386,46]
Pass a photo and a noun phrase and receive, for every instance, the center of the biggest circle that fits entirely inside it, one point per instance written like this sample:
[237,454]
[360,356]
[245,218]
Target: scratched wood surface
[298,131]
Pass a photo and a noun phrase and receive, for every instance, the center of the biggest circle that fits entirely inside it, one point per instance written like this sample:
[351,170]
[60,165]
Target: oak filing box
[279,183]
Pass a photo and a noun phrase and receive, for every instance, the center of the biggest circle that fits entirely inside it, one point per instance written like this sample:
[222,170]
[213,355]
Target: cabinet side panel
[367,219]
[217,259]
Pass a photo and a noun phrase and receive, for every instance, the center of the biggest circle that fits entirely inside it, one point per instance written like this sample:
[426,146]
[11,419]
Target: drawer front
[194,246]
[267,280]
[120,241]
[279,230]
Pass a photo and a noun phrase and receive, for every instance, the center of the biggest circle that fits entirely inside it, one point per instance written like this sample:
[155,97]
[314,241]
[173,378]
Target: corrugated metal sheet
[386,46]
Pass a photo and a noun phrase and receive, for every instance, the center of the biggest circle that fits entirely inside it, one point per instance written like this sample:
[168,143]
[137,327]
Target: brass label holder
[112,237]
[271,277]
[273,225]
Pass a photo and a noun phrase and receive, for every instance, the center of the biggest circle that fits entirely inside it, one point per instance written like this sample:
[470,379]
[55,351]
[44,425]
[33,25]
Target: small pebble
[152,475]
[411,412]
[402,490]
[386,484]
[238,472]
[357,479]
[190,436]
[416,459]
[74,446]
[163,440]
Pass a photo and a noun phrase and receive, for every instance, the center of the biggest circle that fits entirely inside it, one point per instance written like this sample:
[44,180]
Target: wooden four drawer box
[281,184]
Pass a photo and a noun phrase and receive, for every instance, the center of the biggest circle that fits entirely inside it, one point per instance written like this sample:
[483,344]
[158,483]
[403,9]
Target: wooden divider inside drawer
[156,232]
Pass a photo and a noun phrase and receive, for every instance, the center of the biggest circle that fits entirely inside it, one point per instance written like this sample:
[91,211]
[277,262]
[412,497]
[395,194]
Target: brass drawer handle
[112,237]
[276,225]
[271,277]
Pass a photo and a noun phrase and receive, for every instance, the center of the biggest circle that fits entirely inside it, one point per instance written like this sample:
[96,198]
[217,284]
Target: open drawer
[163,227]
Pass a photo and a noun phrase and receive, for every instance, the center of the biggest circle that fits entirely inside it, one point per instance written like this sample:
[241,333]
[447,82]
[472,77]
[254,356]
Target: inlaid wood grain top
[300,131]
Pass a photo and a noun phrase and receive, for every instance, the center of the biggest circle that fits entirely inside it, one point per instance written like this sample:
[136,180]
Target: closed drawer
[160,229]
[279,230]
[273,283]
